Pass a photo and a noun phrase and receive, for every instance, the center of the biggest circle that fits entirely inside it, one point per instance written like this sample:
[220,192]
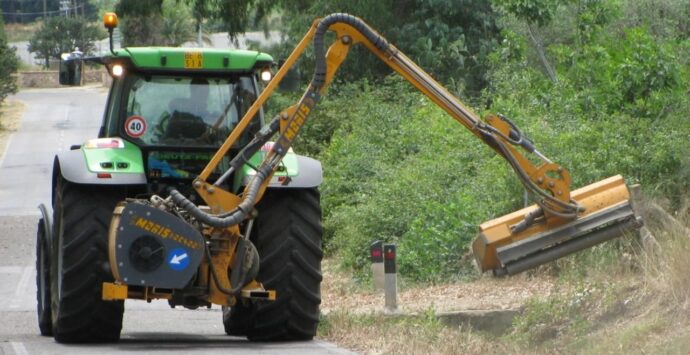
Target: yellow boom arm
[548,182]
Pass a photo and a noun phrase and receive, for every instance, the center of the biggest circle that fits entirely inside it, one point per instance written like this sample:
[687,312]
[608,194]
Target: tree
[141,22]
[60,35]
[155,23]
[177,26]
[8,65]
[449,38]
[234,16]
[534,12]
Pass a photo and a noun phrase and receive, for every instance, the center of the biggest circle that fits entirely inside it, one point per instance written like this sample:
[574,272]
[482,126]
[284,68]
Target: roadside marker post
[391,278]
[376,254]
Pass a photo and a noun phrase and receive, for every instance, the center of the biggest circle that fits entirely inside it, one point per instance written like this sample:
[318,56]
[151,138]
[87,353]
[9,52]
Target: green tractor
[114,234]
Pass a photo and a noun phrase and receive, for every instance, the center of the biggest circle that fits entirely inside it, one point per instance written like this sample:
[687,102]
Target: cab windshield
[185,111]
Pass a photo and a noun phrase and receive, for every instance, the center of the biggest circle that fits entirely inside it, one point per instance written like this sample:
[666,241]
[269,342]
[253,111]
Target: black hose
[556,207]
[233,217]
[233,291]
[256,143]
[320,52]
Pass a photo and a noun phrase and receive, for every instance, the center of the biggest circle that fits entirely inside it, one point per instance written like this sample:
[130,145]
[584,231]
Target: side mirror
[292,78]
[71,67]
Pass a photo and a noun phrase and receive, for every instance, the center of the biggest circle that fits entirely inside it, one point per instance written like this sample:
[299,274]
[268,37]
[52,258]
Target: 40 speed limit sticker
[135,126]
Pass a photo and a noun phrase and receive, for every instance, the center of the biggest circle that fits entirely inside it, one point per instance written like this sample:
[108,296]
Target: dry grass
[637,300]
[353,314]
[379,334]
[656,295]
[340,293]
[10,118]
[666,261]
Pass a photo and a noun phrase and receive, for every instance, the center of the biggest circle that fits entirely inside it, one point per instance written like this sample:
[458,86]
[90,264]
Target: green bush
[399,169]
[620,107]
[9,63]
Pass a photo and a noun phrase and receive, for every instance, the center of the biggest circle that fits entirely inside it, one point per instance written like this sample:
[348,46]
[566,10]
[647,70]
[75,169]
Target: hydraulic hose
[320,52]
[547,202]
[238,214]
[232,291]
[233,217]
[310,99]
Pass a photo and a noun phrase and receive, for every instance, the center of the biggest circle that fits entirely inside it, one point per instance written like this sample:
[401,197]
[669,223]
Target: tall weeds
[666,261]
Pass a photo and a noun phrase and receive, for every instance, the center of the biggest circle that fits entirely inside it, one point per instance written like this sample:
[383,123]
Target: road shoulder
[11,113]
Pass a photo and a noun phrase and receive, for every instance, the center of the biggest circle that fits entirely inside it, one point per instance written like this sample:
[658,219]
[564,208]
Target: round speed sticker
[135,126]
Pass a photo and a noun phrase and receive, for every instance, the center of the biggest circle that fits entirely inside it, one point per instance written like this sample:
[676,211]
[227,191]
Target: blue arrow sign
[178,259]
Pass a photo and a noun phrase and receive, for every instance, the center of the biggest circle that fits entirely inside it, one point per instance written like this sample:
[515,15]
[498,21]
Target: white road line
[22,287]
[19,348]
[7,146]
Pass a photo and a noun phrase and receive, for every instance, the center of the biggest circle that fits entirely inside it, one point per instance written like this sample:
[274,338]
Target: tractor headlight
[117,70]
[266,75]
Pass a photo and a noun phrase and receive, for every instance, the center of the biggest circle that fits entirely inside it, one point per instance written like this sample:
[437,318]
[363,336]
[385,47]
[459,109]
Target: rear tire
[45,321]
[79,265]
[287,234]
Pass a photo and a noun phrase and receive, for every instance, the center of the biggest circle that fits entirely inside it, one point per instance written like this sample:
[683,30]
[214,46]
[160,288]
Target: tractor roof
[191,59]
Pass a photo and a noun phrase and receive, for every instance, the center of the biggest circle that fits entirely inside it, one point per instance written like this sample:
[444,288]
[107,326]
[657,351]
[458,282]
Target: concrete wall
[49,78]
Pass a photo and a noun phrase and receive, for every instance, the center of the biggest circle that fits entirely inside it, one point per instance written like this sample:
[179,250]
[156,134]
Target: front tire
[288,236]
[79,265]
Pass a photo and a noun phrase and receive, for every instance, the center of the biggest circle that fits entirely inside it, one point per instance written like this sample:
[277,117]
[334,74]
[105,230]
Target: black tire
[79,265]
[287,234]
[45,321]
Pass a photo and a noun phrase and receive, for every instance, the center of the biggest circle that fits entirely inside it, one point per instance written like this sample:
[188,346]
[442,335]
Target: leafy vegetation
[8,65]
[59,35]
[449,38]
[400,170]
[26,11]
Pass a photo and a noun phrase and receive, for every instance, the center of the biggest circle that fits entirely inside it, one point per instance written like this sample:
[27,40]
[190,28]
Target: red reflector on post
[376,251]
[390,254]
[104,175]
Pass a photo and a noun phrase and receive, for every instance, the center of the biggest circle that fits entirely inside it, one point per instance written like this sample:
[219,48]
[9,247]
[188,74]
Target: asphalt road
[55,119]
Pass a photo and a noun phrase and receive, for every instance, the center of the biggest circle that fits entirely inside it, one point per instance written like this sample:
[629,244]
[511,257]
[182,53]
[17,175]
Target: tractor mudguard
[310,173]
[73,167]
[300,172]
[46,224]
[307,174]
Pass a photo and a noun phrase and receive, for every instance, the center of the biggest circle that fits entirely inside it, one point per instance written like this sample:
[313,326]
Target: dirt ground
[339,293]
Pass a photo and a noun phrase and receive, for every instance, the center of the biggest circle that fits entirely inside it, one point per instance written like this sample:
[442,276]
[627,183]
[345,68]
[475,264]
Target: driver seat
[185,125]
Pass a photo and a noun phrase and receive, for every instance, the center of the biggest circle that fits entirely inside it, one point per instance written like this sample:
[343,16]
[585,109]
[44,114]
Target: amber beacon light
[110,20]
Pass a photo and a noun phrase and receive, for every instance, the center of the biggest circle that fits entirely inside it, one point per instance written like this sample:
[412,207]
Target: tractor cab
[176,107]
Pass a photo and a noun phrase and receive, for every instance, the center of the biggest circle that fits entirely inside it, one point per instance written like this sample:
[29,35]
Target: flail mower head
[607,213]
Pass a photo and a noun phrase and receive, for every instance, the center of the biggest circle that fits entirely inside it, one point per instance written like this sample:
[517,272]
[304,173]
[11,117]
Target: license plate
[193,60]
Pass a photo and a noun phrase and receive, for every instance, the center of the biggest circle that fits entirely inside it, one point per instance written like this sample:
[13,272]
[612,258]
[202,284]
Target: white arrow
[177,258]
